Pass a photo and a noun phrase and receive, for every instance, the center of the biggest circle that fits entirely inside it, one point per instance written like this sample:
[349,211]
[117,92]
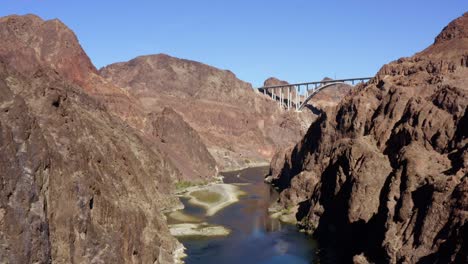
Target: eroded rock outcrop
[383,177]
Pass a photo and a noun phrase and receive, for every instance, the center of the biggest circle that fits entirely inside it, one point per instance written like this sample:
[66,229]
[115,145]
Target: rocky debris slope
[383,177]
[239,126]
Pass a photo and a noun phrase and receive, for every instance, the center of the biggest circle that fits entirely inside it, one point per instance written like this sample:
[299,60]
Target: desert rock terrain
[383,177]
[239,126]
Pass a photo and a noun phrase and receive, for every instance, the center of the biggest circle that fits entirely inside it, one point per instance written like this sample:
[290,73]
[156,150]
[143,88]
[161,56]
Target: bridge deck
[315,83]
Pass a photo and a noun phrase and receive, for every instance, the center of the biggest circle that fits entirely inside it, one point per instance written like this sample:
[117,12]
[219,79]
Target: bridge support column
[298,90]
[281,97]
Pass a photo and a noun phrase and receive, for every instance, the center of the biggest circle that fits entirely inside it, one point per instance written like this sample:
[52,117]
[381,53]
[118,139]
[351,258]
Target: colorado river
[254,236]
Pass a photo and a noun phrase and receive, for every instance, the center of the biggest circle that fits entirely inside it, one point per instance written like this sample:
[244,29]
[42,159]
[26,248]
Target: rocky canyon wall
[79,182]
[383,177]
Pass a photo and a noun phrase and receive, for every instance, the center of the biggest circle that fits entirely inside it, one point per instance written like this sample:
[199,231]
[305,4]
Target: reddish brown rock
[81,182]
[383,177]
[29,43]
[182,145]
[87,170]
[78,185]
[331,96]
[239,126]
[282,92]
[272,81]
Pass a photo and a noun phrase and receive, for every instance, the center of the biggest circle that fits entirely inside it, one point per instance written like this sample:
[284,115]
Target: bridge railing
[291,95]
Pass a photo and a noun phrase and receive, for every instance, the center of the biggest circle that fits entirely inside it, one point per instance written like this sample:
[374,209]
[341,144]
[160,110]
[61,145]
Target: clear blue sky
[295,40]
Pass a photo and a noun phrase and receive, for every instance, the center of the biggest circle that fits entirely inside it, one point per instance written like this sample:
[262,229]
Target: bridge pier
[281,98]
[298,90]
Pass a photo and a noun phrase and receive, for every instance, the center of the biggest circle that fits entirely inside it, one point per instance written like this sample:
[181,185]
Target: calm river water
[255,238]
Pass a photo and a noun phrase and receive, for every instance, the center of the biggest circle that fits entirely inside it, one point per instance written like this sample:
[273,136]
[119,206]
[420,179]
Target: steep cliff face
[80,183]
[239,126]
[29,43]
[383,177]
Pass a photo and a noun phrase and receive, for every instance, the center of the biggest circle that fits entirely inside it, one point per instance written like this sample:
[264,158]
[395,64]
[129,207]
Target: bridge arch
[288,95]
[314,92]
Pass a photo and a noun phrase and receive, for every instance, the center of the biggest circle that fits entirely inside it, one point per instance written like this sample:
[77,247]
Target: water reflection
[255,237]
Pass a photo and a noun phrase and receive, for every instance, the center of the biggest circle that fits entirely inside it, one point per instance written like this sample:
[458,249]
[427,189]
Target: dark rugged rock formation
[239,126]
[383,177]
[78,183]
[29,43]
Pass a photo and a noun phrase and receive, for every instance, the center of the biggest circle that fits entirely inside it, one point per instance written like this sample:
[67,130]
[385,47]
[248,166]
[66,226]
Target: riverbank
[243,229]
[212,198]
[198,230]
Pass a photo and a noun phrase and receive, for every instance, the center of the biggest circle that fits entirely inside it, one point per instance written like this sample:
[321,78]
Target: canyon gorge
[92,161]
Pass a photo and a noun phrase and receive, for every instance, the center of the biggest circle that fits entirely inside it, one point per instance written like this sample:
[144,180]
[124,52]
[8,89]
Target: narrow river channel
[255,237]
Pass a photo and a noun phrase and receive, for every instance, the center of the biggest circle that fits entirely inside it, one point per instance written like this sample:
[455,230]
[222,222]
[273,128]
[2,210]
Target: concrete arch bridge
[297,96]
